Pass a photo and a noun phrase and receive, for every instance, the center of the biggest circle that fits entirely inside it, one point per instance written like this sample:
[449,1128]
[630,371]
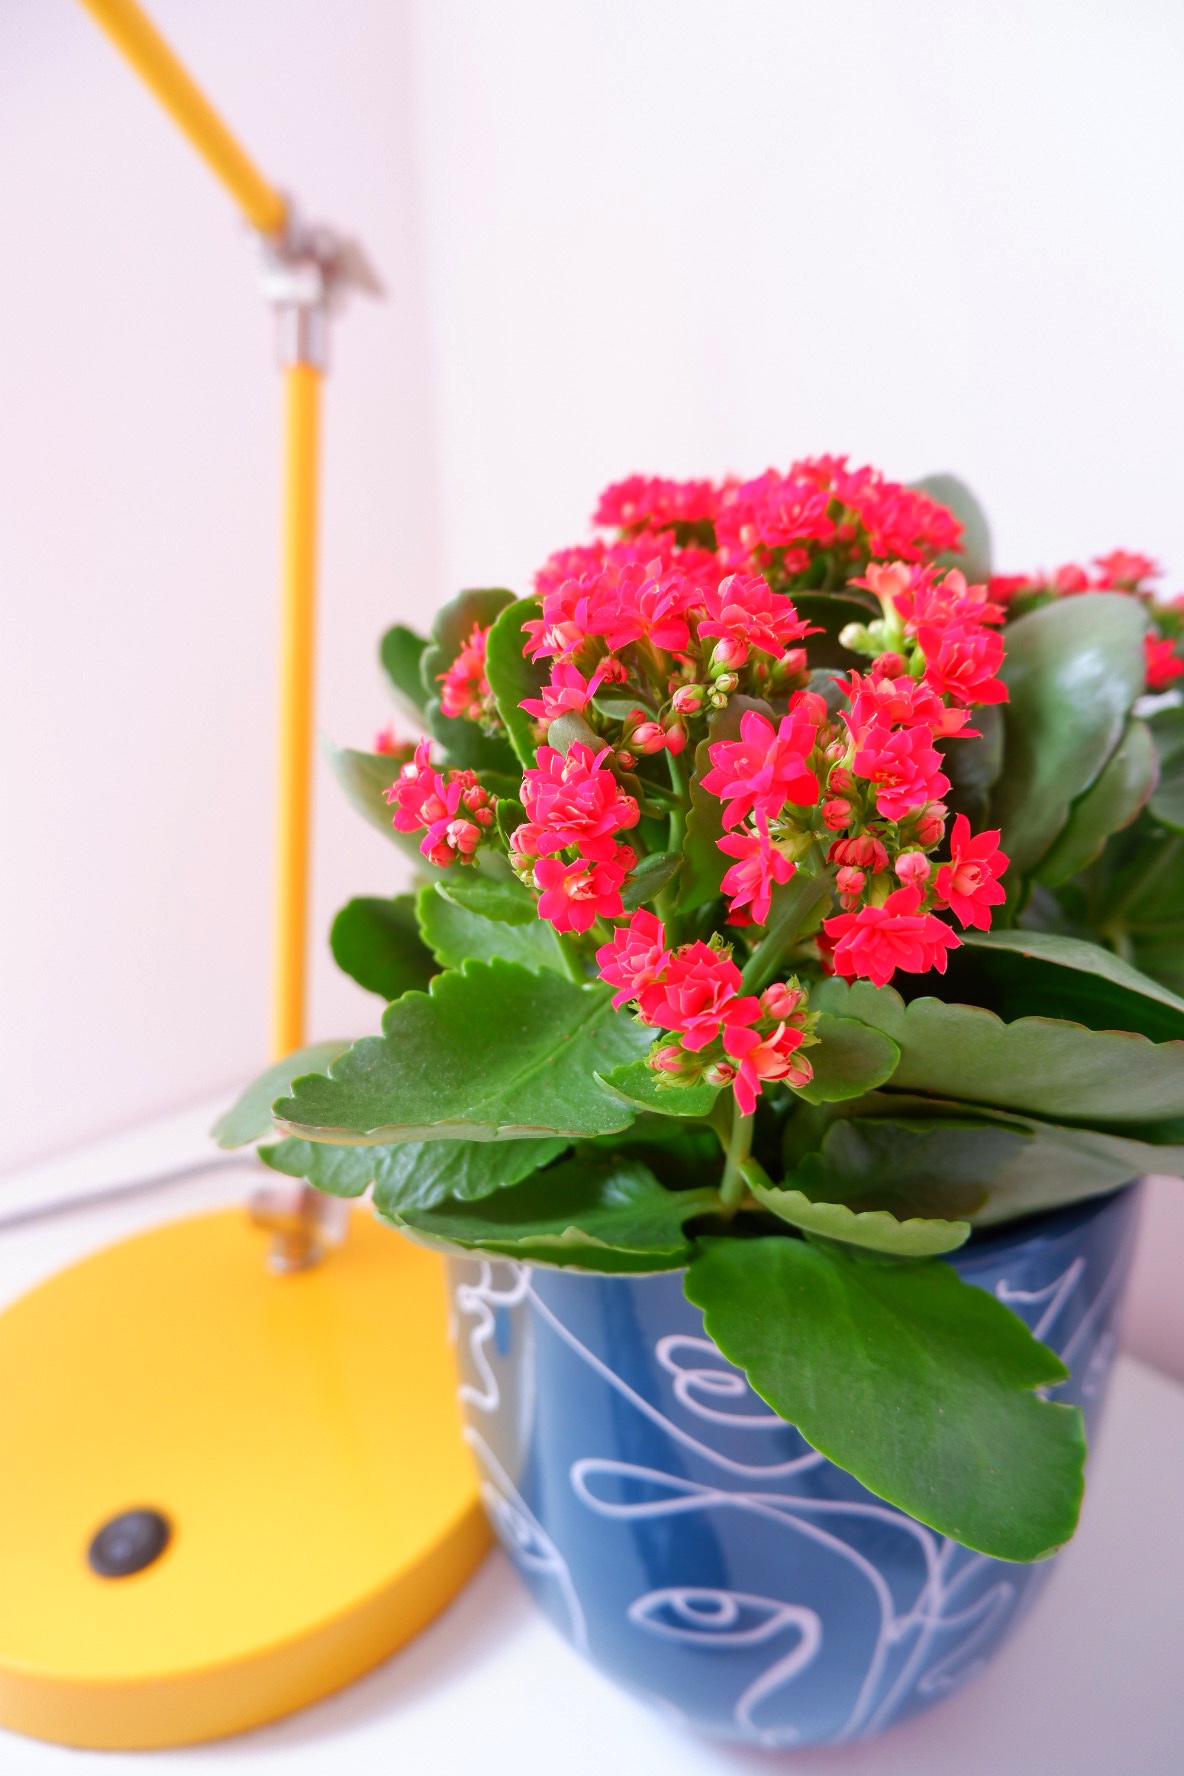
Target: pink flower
[574,895]
[1125,569]
[969,883]
[417,794]
[900,701]
[903,766]
[876,941]
[568,692]
[765,768]
[744,612]
[1164,665]
[961,661]
[698,995]
[648,500]
[945,601]
[764,1057]
[573,801]
[636,956]
[773,511]
[464,687]
[760,864]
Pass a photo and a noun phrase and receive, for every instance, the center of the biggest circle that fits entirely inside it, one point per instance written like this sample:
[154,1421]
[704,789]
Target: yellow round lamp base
[298,1435]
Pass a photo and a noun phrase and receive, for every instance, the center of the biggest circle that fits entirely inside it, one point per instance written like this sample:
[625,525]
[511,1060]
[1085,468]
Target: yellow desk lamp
[226,1487]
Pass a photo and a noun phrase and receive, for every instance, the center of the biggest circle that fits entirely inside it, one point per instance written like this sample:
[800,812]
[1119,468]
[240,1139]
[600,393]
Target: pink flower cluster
[568,845]
[716,1031]
[821,504]
[1123,570]
[464,688]
[451,809]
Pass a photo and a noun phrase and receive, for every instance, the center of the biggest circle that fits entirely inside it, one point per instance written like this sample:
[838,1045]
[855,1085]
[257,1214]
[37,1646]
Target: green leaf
[1167,802]
[512,677]
[509,903]
[340,1171]
[1110,803]
[639,1084]
[491,1052]
[613,1217]
[973,766]
[875,1230]
[401,652]
[455,933]
[1073,670]
[909,1165]
[377,943]
[974,556]
[1039,1064]
[851,1058]
[649,878]
[416,1174]
[249,1117]
[1039,973]
[467,744]
[1040,1165]
[917,1383]
[704,863]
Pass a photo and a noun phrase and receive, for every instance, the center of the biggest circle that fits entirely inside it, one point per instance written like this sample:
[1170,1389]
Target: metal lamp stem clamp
[306,272]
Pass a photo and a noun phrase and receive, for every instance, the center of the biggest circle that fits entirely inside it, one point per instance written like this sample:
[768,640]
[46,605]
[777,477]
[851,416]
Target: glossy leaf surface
[919,1384]
[436,1074]
[377,943]
[1052,1068]
[613,1217]
[1073,669]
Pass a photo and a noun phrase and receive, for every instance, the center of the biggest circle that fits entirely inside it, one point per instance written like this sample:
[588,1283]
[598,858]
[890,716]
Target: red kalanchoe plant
[770,830]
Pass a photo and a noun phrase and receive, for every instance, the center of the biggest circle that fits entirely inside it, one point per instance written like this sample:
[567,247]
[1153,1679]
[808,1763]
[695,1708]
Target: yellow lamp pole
[305,271]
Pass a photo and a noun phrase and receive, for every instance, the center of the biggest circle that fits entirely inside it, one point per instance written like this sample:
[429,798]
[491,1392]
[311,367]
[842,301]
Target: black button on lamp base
[128,1543]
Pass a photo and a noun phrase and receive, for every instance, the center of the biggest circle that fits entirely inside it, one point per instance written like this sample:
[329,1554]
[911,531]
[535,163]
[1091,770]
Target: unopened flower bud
[718,700]
[792,663]
[913,867]
[836,814]
[931,823]
[648,737]
[688,699]
[856,638]
[726,681]
[890,666]
[781,1000]
[840,780]
[811,705]
[626,760]
[676,737]
[669,1059]
[463,836]
[720,1073]
[850,881]
[613,671]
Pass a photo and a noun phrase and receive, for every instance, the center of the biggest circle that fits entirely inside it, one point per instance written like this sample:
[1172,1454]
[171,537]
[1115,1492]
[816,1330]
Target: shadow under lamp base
[290,1446]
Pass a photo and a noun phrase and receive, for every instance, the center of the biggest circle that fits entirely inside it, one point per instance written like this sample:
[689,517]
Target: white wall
[140,414]
[618,234]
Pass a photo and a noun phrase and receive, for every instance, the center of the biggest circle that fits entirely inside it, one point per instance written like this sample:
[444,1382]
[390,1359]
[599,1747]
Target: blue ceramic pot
[693,1545]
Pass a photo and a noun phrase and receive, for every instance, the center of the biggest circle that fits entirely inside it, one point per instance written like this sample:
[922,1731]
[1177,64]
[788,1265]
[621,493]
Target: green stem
[733,1184]
[793,907]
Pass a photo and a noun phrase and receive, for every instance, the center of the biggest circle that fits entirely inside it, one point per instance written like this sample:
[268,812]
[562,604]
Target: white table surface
[1092,1685]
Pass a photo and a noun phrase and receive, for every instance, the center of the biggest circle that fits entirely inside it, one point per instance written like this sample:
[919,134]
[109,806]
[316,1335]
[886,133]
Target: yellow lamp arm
[135,34]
